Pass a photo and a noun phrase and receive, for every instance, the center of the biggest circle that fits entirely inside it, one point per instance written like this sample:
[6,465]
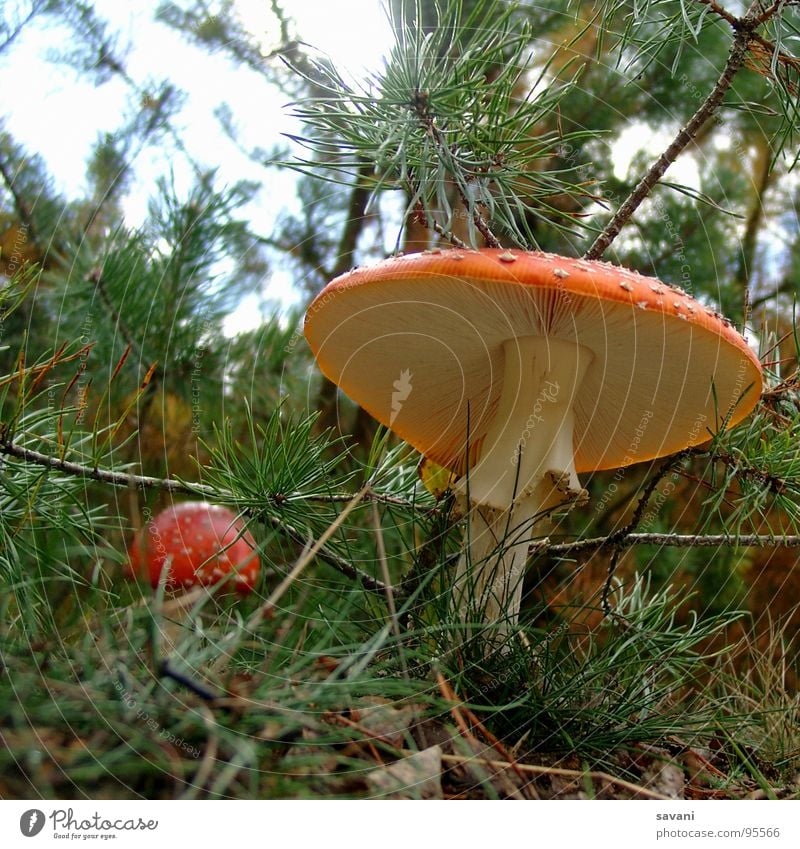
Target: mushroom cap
[203,543]
[417,341]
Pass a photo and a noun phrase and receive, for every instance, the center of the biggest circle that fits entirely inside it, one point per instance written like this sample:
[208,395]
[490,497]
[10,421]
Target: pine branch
[735,22]
[736,58]
[451,237]
[96,277]
[15,33]
[768,13]
[672,540]
[720,11]
[616,537]
[130,481]
[122,479]
[20,205]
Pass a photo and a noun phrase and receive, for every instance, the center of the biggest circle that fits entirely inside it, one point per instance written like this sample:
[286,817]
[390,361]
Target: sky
[354,33]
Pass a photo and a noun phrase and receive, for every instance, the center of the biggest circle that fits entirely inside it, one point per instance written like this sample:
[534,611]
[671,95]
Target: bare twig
[673,540]
[620,538]
[768,13]
[451,237]
[736,58]
[295,572]
[621,534]
[67,467]
[720,11]
[605,603]
[535,769]
[666,467]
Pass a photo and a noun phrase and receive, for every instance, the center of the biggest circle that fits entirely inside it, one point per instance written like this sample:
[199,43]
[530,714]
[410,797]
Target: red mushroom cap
[418,340]
[202,544]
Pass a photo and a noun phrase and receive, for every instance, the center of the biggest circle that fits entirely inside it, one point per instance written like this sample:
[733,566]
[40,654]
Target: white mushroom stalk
[525,470]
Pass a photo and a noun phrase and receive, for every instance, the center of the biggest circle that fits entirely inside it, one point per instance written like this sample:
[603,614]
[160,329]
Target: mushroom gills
[526,469]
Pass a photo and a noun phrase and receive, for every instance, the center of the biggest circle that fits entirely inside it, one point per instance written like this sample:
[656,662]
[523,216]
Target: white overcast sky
[52,111]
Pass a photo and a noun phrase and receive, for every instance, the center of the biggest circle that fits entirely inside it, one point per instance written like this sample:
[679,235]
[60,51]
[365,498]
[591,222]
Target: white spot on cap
[507,256]
[625,285]
[657,288]
[559,272]
[642,305]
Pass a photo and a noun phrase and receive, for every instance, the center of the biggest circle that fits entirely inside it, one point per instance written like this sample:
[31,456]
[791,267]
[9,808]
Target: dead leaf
[666,778]
[418,776]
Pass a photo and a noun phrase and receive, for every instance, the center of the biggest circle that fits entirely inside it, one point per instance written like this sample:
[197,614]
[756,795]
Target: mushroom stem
[526,468]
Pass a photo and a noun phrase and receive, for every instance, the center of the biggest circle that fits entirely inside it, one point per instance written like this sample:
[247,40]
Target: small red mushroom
[195,543]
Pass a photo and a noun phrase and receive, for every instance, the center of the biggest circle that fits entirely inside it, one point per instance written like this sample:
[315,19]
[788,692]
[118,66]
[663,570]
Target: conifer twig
[539,769]
[673,540]
[743,33]
[308,555]
[131,481]
[638,513]
[620,538]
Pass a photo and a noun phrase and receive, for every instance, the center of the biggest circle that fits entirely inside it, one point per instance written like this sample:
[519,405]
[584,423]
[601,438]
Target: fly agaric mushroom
[195,543]
[516,370]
